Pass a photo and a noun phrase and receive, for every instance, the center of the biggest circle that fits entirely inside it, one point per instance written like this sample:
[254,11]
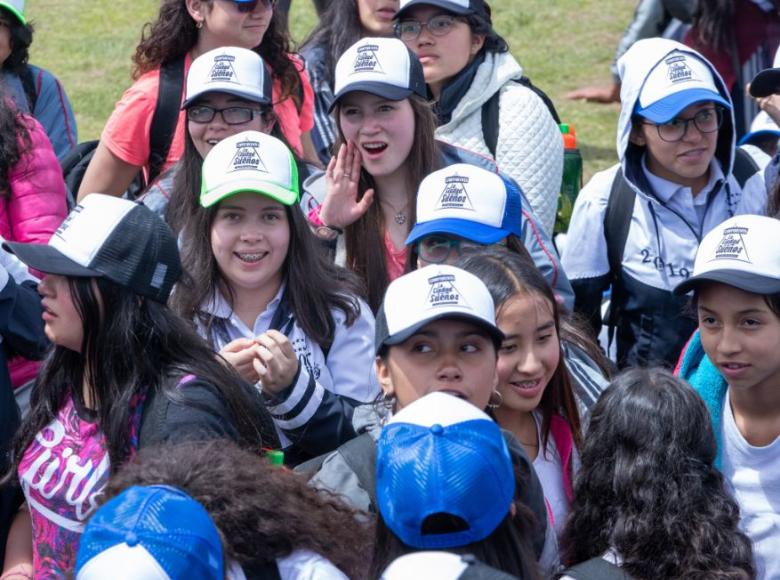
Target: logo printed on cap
[367,60]
[68,220]
[732,245]
[443,291]
[222,69]
[454,195]
[678,71]
[247,157]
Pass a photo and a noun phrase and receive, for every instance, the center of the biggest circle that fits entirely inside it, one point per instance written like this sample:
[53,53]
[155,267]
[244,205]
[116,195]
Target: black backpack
[166,113]
[617,220]
[490,124]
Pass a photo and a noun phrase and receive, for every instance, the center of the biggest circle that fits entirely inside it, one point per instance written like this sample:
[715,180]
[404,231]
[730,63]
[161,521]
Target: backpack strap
[745,166]
[490,112]
[166,115]
[617,221]
[30,90]
[360,455]
[597,569]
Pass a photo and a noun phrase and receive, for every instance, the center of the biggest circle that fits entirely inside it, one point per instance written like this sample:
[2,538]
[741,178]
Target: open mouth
[374,148]
[250,258]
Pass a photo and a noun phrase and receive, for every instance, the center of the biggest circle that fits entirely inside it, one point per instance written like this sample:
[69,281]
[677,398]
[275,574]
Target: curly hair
[15,139]
[648,487]
[174,33]
[21,39]
[262,512]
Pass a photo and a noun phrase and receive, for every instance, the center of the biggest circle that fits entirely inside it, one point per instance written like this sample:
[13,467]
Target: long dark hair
[315,286]
[15,140]
[338,28]
[508,548]
[506,275]
[365,239]
[21,39]
[648,487]
[132,346]
[262,512]
[174,33]
[713,25]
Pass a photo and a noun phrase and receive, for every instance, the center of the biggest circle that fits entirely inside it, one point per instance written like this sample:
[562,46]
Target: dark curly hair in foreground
[648,487]
[262,512]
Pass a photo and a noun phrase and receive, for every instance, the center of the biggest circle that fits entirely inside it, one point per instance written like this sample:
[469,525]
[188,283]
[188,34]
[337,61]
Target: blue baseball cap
[150,533]
[442,455]
[469,202]
[680,80]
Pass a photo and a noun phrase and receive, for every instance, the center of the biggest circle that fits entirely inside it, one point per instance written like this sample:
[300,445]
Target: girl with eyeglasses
[470,74]
[387,147]
[636,226]
[342,23]
[184,30]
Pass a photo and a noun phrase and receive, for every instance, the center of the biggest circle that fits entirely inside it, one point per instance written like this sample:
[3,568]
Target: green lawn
[561,44]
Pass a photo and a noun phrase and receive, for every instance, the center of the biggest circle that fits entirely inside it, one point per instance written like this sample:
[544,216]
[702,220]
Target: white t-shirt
[299,565]
[753,474]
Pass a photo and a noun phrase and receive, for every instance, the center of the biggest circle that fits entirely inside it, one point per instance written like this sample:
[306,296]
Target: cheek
[551,356]
[198,136]
[404,131]
[349,129]
[506,365]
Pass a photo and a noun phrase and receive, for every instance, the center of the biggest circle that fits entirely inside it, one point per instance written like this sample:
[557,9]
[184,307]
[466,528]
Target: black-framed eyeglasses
[437,249]
[231,115]
[438,25]
[250,5]
[706,121]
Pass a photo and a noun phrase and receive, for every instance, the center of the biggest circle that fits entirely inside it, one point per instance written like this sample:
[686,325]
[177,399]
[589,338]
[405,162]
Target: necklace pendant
[400,218]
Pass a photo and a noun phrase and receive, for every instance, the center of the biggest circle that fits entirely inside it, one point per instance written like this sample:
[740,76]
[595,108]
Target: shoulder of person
[308,565]
[596,191]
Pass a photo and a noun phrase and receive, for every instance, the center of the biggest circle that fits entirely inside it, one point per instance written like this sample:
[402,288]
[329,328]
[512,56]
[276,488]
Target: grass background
[561,44]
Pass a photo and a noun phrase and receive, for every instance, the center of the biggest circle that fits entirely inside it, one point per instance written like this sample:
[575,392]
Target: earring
[496,400]
[198,24]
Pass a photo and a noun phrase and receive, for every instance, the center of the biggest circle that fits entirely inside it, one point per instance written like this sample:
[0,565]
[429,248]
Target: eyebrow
[461,334]
[742,312]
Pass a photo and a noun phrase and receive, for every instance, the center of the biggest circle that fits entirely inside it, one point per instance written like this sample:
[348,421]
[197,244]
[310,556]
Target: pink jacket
[33,211]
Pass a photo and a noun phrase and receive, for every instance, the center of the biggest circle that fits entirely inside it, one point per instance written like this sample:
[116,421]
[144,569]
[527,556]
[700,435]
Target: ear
[196,9]
[383,375]
[477,42]
[637,136]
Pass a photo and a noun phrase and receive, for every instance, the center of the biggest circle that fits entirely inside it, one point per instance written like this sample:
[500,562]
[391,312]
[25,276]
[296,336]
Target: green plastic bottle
[572,178]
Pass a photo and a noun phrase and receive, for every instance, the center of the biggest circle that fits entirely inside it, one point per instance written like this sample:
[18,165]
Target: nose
[251,232]
[369,125]
[448,370]
[45,288]
[692,133]
[425,38]
[729,341]
[529,364]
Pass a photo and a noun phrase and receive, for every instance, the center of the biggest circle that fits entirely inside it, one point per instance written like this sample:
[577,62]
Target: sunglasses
[250,5]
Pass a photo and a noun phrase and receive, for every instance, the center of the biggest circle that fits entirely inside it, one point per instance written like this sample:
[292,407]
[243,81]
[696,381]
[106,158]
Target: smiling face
[686,161]
[442,57]
[447,355]
[206,135]
[529,356]
[741,336]
[250,236]
[63,324]
[225,25]
[376,16]
[382,130]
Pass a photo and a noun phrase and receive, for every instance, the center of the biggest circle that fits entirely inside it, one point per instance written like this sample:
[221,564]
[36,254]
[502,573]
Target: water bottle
[572,178]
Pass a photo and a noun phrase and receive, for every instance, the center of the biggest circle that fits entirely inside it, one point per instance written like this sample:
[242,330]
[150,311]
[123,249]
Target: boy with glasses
[636,226]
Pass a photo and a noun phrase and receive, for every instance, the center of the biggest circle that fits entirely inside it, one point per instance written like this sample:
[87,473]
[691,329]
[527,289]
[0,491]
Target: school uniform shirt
[315,411]
[298,565]
[667,224]
[753,475]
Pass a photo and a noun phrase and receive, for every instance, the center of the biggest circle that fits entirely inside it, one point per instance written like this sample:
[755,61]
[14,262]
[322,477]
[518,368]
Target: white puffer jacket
[530,146]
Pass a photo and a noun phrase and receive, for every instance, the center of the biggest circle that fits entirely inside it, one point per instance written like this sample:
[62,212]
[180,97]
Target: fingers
[366,201]
[276,363]
[237,345]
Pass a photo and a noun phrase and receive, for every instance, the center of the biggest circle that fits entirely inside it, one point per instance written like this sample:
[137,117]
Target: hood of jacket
[634,67]
[497,69]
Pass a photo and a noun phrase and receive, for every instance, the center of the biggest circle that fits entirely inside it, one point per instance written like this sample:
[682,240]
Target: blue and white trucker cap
[680,80]
[739,252]
[416,299]
[442,455]
[150,533]
[469,202]
[462,7]
[381,66]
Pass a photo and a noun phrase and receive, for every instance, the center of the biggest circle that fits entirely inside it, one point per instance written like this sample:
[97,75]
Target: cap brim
[228,89]
[759,134]
[49,260]
[19,16]
[272,190]
[765,83]
[399,337]
[449,6]
[469,230]
[669,107]
[384,90]
[738,278]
